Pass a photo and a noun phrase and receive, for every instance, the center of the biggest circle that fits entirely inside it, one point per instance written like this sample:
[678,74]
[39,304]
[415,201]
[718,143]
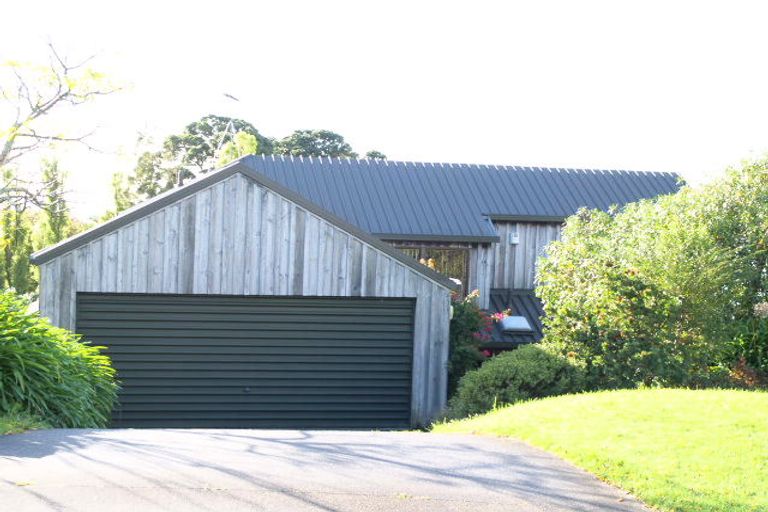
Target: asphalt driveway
[296,471]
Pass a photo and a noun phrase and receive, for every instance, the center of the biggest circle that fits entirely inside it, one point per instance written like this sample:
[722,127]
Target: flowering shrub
[470,327]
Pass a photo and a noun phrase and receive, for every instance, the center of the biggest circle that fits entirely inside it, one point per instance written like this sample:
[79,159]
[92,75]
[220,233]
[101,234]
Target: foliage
[677,450]
[34,94]
[375,155]
[513,376]
[214,141]
[15,246]
[314,143]
[195,149]
[50,372]
[241,145]
[57,219]
[656,293]
[26,226]
[16,420]
[750,343]
[468,326]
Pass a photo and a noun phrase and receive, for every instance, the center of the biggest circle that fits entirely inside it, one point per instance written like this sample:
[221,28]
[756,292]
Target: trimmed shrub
[49,372]
[521,374]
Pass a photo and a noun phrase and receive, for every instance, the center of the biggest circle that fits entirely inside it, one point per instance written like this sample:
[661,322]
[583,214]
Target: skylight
[515,324]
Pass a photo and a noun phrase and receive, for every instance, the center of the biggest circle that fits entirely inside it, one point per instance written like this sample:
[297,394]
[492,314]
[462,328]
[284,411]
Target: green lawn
[678,450]
[17,422]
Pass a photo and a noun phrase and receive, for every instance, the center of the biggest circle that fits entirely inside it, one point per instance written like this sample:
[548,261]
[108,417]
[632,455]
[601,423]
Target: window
[449,261]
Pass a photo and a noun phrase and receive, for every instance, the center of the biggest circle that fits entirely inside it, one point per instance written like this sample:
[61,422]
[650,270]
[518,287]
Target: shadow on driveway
[176,469]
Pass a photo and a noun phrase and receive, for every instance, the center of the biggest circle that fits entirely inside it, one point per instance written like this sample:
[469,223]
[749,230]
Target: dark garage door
[271,362]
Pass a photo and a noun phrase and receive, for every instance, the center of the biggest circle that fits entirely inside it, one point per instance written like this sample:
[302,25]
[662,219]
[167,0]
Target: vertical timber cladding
[262,362]
[236,236]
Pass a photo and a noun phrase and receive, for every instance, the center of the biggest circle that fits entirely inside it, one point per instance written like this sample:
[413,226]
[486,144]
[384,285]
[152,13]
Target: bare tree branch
[71,84]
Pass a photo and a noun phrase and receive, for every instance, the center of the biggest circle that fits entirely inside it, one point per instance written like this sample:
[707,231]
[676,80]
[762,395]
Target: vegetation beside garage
[668,292]
[48,376]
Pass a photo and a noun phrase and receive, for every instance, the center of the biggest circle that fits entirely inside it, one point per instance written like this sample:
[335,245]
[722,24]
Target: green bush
[521,374]
[662,291]
[469,327]
[49,372]
[750,344]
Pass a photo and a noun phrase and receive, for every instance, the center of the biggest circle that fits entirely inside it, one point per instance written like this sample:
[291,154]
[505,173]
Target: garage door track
[291,470]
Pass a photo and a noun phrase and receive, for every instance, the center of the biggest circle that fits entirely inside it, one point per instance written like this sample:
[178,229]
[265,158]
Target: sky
[650,85]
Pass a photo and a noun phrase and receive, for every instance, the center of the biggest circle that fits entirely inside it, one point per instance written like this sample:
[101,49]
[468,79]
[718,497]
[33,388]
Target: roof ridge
[461,165]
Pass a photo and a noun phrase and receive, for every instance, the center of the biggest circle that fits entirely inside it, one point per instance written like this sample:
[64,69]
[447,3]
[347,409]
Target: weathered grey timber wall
[505,265]
[238,237]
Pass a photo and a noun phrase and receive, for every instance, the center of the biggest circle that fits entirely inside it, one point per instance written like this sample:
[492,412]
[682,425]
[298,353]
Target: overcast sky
[671,86]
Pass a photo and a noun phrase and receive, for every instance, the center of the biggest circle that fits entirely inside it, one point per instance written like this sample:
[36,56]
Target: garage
[224,361]
[234,302]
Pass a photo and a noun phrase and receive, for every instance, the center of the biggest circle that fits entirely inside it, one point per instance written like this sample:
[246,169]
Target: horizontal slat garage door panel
[222,361]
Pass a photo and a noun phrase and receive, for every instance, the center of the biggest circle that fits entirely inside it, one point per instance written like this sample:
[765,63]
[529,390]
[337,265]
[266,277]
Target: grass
[677,450]
[16,421]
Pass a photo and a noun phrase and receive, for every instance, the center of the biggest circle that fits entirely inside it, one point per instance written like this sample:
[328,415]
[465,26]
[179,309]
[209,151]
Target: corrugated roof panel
[402,199]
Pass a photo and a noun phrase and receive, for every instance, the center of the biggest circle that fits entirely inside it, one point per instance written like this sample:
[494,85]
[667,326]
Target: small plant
[521,374]
[16,420]
[49,372]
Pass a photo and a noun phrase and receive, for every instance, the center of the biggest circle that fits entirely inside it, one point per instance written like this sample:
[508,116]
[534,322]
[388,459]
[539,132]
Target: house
[483,225]
[284,292]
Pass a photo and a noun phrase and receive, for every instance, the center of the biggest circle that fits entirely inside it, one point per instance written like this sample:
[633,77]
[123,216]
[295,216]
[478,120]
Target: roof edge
[526,218]
[238,166]
[395,237]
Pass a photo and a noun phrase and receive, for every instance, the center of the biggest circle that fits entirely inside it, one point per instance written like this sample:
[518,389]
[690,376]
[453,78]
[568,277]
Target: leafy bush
[521,374]
[750,345]
[49,372]
[469,327]
[663,290]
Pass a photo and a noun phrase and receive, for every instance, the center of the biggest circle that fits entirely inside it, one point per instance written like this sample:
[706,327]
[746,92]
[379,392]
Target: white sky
[671,85]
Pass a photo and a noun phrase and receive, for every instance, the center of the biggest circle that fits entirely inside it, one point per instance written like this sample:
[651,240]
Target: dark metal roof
[522,303]
[423,201]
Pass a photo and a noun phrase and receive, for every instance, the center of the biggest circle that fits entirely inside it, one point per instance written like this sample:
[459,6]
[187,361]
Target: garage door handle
[246,390]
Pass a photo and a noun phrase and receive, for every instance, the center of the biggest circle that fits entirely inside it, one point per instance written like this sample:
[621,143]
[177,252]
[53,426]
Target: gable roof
[211,178]
[425,201]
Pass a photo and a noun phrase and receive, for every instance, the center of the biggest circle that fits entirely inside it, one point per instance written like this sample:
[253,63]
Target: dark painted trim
[394,237]
[526,218]
[212,178]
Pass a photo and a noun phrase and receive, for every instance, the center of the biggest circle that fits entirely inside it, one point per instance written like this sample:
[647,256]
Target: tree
[152,177]
[243,144]
[214,141]
[375,155]
[123,196]
[15,244]
[314,143]
[184,156]
[31,94]
[194,150]
[57,219]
